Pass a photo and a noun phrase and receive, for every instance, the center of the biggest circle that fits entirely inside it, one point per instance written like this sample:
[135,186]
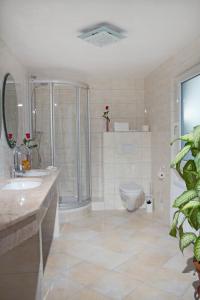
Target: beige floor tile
[180,263]
[88,294]
[76,248]
[136,224]
[167,244]
[155,230]
[61,260]
[115,220]
[82,234]
[116,254]
[115,285]
[125,230]
[100,227]
[144,237]
[69,227]
[191,292]
[137,270]
[118,244]
[170,281]
[63,289]
[145,292]
[86,273]
[106,258]
[153,258]
[89,220]
[59,245]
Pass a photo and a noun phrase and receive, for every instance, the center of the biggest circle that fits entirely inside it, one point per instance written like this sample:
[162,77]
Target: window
[190,104]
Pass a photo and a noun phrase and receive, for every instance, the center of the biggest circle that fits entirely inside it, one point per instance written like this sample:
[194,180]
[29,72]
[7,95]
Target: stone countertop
[18,205]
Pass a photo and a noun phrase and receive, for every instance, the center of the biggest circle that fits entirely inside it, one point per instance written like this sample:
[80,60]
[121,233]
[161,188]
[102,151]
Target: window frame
[187,75]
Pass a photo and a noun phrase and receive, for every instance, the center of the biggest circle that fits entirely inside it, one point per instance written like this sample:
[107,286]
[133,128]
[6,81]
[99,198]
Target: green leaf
[181,155]
[186,138]
[194,151]
[178,169]
[191,205]
[173,229]
[190,166]
[194,219]
[196,133]
[184,198]
[197,162]
[197,186]
[197,249]
[186,239]
[189,174]
[180,230]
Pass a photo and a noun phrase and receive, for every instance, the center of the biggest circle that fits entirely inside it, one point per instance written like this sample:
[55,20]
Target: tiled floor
[117,255]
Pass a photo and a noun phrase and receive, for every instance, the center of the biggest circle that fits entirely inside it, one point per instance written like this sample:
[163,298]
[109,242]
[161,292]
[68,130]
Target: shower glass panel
[41,125]
[60,124]
[65,147]
[84,183]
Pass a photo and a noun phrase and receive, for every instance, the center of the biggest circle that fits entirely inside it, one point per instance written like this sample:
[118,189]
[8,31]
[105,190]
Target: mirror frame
[1,114]
[3,109]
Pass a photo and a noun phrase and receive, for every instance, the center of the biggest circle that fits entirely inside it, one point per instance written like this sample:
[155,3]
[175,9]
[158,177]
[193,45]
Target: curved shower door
[41,125]
[71,144]
[65,142]
[61,117]
[84,153]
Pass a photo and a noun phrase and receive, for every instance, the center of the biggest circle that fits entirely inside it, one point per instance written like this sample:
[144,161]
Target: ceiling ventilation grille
[102,36]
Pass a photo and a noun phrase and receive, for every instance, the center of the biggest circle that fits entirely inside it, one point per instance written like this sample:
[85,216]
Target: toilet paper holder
[161,173]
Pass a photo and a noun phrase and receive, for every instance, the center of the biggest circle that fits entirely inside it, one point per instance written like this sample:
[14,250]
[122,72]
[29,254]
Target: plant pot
[197,267]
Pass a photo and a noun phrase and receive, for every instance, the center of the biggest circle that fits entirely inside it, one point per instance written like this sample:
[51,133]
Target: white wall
[9,64]
[125,96]
[126,158]
[161,100]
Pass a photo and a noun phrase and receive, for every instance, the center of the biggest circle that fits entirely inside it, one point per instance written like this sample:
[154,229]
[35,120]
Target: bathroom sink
[36,173]
[21,185]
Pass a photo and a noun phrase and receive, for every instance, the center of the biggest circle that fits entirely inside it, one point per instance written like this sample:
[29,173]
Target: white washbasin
[35,173]
[21,185]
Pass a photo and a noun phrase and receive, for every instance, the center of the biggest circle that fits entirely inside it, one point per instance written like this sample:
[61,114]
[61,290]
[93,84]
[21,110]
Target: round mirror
[10,110]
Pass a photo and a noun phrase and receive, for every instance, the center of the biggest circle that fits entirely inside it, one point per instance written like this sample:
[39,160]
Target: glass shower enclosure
[60,127]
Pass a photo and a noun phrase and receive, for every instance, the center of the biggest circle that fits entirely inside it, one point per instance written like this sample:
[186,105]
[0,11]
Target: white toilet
[132,195]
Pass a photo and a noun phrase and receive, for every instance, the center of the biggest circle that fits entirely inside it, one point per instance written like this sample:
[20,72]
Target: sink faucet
[20,152]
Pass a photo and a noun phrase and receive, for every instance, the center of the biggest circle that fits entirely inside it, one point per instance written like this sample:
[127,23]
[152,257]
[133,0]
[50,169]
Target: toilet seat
[130,188]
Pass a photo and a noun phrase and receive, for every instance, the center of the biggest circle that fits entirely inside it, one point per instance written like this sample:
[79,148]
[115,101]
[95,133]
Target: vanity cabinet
[24,249]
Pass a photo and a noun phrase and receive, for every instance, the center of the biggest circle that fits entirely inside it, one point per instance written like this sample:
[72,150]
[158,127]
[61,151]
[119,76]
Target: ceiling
[43,33]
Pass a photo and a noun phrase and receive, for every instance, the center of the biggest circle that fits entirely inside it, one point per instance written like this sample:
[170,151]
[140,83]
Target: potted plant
[187,204]
[29,144]
[11,139]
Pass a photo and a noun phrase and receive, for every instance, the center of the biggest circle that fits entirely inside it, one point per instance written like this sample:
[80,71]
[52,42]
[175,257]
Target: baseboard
[98,205]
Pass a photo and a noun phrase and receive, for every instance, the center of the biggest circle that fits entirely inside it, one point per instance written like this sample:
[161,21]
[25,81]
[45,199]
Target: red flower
[28,136]
[10,136]
[107,107]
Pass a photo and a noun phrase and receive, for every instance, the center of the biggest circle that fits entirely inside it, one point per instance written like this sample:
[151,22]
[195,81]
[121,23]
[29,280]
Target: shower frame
[77,86]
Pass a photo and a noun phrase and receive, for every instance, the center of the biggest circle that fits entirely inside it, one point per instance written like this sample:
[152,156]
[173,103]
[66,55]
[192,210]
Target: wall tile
[123,164]
[160,100]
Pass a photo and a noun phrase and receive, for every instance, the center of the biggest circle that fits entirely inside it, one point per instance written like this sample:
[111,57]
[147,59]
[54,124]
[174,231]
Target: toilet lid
[130,187]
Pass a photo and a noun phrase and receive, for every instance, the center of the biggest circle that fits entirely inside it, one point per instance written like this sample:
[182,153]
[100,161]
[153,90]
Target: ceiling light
[102,36]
